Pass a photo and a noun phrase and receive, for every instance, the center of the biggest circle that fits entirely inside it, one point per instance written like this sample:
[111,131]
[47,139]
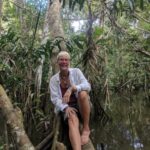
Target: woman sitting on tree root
[69,93]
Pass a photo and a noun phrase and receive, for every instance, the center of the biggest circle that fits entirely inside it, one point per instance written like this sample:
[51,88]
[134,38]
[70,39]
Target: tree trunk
[54,20]
[39,70]
[14,120]
[52,28]
[56,29]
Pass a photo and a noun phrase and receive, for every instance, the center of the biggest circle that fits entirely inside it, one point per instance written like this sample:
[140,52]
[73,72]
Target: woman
[69,93]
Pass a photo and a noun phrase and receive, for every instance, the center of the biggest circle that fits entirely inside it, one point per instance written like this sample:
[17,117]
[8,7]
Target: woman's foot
[85,137]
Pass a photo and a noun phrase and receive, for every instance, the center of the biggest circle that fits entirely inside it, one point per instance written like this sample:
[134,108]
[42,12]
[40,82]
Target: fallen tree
[14,120]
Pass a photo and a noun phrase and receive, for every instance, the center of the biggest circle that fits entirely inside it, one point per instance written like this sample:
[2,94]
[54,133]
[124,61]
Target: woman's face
[63,63]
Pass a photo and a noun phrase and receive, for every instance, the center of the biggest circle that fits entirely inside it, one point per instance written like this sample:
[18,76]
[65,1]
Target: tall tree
[52,28]
[56,28]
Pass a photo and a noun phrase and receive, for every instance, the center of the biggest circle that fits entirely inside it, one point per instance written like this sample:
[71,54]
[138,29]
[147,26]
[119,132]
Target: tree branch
[140,18]
[143,52]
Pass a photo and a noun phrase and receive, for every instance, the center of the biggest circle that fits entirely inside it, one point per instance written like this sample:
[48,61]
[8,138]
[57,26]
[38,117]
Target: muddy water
[129,128]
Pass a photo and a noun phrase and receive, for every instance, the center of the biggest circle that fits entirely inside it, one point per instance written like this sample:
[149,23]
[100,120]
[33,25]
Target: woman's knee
[73,120]
[83,95]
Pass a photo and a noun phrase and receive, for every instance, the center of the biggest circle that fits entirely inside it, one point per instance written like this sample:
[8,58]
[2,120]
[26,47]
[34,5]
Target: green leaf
[141,4]
[69,46]
[78,43]
[98,31]
[121,6]
[38,112]
[81,3]
[115,8]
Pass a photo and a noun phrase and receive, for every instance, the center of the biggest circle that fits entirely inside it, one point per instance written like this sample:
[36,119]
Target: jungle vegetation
[109,40]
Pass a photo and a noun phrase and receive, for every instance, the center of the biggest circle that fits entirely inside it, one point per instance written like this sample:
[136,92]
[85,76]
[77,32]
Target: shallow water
[129,128]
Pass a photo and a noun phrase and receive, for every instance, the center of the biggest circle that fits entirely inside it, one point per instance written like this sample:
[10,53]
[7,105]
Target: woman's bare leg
[74,133]
[84,104]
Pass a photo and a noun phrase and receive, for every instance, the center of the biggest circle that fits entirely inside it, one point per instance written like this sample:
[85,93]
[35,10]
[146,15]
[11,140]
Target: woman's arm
[83,83]
[55,95]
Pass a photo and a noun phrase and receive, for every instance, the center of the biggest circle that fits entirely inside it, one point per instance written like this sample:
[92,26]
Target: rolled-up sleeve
[83,83]
[55,97]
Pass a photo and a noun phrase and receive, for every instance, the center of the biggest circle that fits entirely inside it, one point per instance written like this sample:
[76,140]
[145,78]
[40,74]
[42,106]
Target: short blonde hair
[63,53]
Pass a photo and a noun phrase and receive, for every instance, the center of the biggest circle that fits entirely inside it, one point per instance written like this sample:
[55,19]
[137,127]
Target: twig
[143,52]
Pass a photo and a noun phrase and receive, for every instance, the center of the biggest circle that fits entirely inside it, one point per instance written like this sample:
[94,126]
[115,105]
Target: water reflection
[130,126]
[137,144]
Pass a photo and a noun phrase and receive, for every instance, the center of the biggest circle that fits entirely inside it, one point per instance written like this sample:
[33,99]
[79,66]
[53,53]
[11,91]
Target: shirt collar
[57,75]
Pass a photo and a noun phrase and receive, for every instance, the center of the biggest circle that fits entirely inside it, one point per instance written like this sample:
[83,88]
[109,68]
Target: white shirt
[76,78]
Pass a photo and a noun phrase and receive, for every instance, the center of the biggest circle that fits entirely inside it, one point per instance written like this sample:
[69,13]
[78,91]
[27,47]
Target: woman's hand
[66,96]
[70,110]
[68,93]
[73,88]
